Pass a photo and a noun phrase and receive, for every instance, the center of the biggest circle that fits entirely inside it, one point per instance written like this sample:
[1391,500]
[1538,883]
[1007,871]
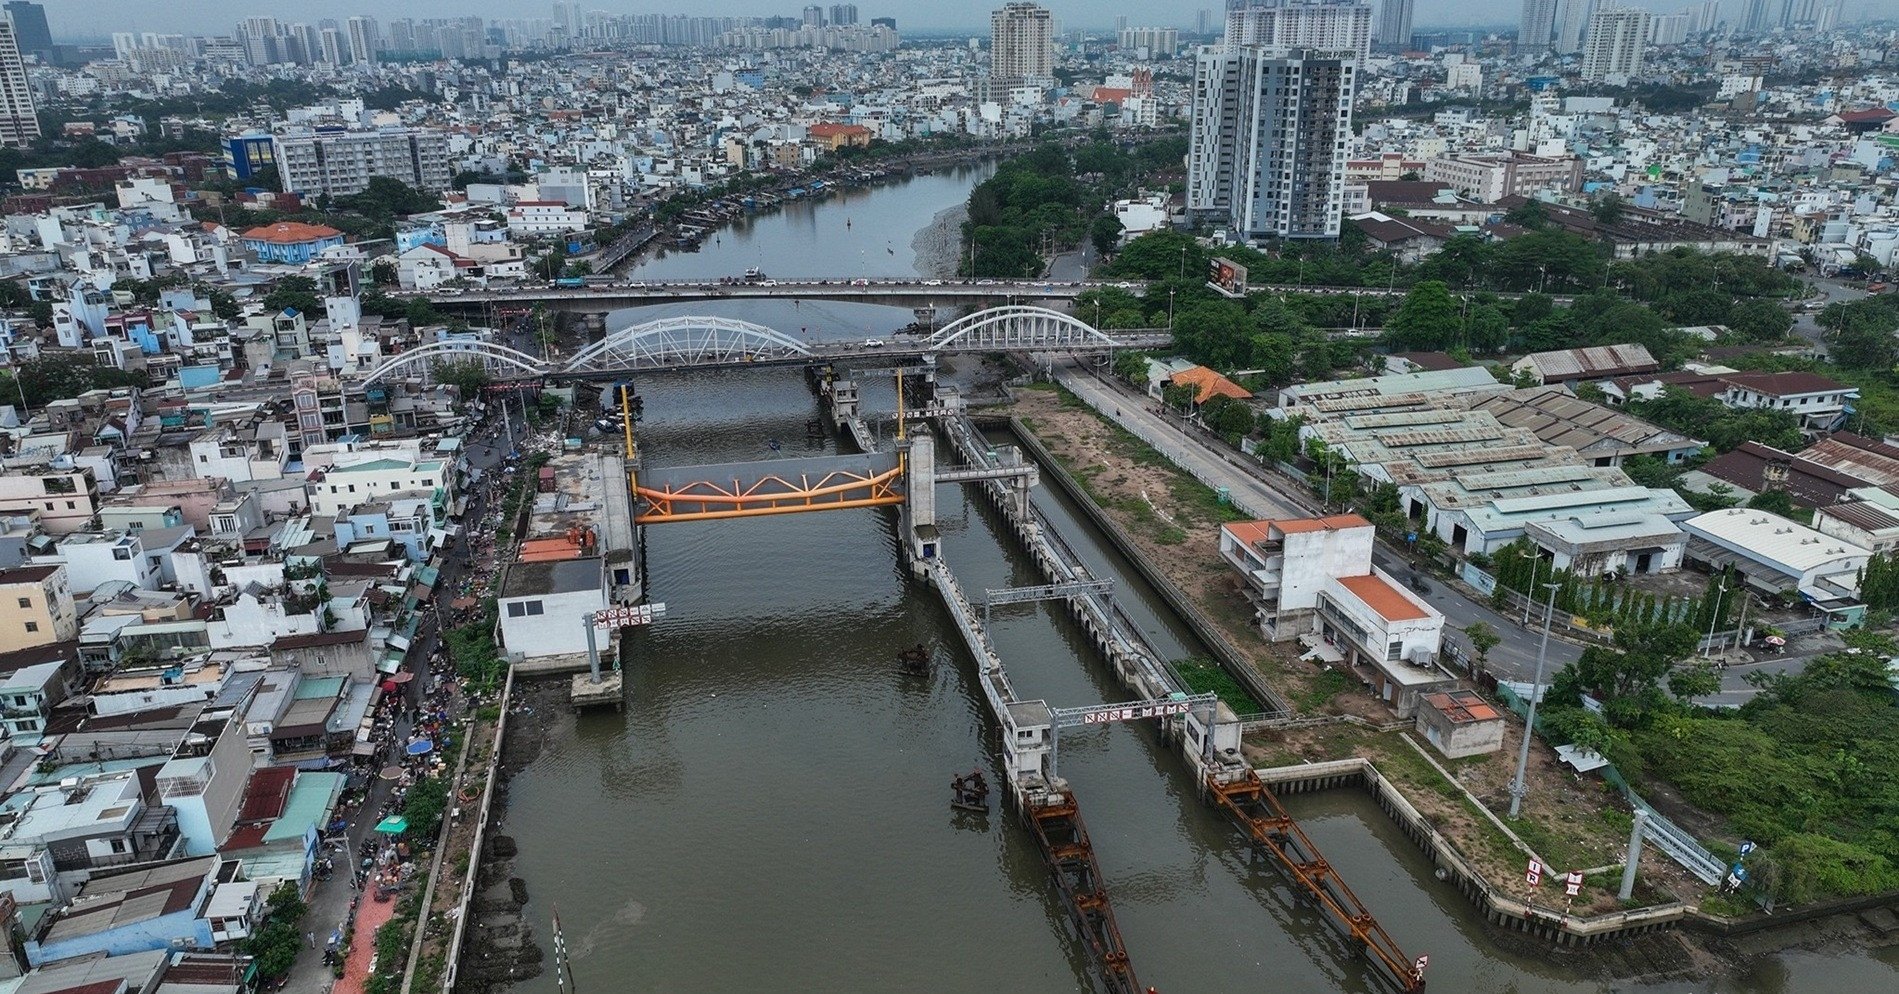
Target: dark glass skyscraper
[29,26]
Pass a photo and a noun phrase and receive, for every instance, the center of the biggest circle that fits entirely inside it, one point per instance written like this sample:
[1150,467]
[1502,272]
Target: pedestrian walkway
[370,916]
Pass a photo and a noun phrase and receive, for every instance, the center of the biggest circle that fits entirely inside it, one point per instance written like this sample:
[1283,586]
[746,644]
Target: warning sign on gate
[1572,883]
[1417,969]
[1533,875]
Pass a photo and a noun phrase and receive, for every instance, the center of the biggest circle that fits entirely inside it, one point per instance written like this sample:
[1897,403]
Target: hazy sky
[98,18]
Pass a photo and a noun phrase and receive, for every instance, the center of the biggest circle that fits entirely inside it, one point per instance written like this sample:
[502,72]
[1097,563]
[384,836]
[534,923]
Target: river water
[771,811]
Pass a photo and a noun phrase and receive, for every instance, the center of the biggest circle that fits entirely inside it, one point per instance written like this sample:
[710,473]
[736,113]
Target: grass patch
[1171,535]
[1204,676]
[1329,684]
[1202,501]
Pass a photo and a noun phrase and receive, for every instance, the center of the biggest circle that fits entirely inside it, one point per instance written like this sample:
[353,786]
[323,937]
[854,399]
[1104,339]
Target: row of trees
[1604,601]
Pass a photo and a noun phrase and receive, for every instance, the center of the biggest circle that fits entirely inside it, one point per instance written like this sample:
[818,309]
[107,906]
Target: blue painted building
[290,241]
[247,154]
[160,907]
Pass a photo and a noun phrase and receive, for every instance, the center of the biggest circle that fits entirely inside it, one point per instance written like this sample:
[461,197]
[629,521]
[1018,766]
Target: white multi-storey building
[1270,135]
[1022,42]
[1536,29]
[340,163]
[363,40]
[1575,17]
[1617,39]
[19,122]
[1394,25]
[1329,25]
[1160,43]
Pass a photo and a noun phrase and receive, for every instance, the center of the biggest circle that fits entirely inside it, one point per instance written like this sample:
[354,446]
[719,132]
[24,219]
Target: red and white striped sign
[1534,874]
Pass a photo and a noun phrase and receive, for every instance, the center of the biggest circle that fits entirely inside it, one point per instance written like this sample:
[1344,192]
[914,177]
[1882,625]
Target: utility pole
[1720,590]
[1521,785]
[1635,855]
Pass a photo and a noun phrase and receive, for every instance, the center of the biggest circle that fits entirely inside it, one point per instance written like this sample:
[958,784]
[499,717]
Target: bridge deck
[753,489]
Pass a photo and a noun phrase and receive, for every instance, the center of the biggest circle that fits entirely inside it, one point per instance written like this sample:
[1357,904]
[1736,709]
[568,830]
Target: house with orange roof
[1208,384]
[835,136]
[290,241]
[1312,579]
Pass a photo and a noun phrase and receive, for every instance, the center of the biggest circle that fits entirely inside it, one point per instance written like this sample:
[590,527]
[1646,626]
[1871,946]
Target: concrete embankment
[1273,704]
[494,946]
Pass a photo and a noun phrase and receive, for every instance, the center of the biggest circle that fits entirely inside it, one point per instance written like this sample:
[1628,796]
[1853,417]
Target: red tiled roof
[245,837]
[1381,597]
[266,793]
[291,233]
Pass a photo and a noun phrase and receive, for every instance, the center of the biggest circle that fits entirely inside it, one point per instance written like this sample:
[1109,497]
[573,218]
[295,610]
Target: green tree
[1483,638]
[1429,319]
[1132,367]
[1230,419]
[1760,321]
[1489,331]
[1695,679]
[1529,214]
[385,199]
[467,376]
[293,292]
[1608,210]
[274,946]
[1105,232]
[1626,676]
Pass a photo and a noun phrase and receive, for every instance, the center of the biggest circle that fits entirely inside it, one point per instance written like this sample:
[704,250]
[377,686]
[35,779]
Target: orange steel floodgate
[1258,810]
[767,493]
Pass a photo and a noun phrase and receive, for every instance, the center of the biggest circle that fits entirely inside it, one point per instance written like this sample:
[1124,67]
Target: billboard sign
[1227,277]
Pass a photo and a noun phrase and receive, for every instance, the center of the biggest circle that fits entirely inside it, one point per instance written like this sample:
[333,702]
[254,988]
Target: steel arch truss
[490,355]
[768,493]
[1017,327]
[685,341]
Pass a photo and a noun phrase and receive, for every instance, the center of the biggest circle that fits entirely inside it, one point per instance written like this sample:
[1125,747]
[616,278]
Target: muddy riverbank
[502,947]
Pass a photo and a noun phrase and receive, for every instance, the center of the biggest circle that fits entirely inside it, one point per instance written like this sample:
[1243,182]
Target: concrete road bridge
[604,294]
[600,294]
[681,343]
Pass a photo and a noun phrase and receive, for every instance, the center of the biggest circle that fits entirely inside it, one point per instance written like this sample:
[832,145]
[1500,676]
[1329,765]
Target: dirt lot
[1172,519]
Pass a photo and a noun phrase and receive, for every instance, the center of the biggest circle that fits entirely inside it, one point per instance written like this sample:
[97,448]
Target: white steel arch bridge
[695,341]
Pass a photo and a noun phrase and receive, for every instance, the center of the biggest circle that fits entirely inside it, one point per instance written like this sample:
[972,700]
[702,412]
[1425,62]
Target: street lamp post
[1535,561]
[1720,589]
[1183,262]
[1521,785]
[1170,310]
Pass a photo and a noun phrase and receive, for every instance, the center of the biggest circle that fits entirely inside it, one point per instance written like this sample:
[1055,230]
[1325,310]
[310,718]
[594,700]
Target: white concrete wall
[557,631]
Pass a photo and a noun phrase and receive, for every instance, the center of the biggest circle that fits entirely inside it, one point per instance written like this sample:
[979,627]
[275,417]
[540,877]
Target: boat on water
[754,273]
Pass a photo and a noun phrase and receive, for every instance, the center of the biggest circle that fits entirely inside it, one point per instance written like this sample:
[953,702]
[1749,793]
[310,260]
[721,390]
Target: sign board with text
[1572,883]
[1533,874]
[1102,716]
[640,614]
[1227,277]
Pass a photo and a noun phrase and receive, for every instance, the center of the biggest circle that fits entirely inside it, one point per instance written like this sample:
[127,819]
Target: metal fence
[1670,838]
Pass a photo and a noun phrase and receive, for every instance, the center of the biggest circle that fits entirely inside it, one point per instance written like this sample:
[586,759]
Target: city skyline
[70,19]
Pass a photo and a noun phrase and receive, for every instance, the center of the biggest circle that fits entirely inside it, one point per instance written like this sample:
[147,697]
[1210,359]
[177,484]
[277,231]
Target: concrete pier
[588,694]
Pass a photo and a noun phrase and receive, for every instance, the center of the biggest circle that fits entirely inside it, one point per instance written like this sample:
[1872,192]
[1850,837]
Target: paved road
[1736,691]
[329,901]
[1806,323]
[1255,488]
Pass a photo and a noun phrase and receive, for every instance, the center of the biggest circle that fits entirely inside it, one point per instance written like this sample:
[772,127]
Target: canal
[770,813]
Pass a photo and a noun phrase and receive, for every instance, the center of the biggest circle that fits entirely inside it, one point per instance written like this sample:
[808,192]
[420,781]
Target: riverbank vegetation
[1808,769]
[1053,198]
